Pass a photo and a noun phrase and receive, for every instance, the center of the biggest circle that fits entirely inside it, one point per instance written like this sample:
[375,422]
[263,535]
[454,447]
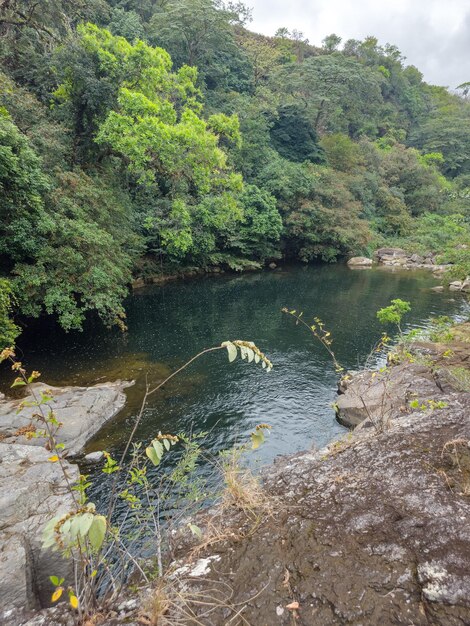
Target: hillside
[139,137]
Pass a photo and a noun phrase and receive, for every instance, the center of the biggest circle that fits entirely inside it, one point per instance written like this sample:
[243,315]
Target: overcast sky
[434,35]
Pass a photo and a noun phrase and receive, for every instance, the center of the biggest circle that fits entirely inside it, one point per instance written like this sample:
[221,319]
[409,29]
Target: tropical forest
[140,137]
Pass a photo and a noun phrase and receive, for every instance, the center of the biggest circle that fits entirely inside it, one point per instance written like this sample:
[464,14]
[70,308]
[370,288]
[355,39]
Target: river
[169,324]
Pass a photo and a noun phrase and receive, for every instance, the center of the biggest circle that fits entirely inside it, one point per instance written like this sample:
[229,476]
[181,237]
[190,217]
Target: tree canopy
[140,136]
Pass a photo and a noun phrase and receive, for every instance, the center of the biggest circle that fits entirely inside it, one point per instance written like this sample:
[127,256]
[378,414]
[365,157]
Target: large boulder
[360,261]
[466,284]
[390,252]
[81,410]
[417,259]
[375,396]
[32,491]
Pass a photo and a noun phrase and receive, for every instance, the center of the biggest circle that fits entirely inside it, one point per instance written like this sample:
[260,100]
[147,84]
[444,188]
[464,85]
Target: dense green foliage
[137,135]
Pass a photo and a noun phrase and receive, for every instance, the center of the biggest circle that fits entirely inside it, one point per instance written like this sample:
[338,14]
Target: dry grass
[244,491]
[174,603]
[457,452]
[157,606]
[460,378]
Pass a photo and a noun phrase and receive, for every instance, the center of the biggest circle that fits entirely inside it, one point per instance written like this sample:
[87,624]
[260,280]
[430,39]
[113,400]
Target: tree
[293,136]
[341,152]
[84,263]
[258,235]
[331,43]
[338,94]
[199,33]
[126,24]
[322,219]
[9,331]
[64,243]
[157,128]
[447,131]
[23,220]
[263,54]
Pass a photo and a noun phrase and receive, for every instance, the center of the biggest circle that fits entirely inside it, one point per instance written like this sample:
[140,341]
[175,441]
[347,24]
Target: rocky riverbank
[372,529]
[375,527]
[33,490]
[398,258]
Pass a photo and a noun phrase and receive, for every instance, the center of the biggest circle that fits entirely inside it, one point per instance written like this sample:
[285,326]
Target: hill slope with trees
[140,135]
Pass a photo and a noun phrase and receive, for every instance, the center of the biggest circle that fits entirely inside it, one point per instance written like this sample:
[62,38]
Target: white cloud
[433,35]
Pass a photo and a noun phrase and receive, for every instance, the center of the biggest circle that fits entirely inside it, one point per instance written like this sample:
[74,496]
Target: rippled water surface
[169,324]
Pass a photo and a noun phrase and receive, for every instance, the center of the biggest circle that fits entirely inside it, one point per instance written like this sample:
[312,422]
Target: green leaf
[257,438]
[250,354]
[97,531]
[197,532]
[152,455]
[18,382]
[232,351]
[158,448]
[166,443]
[55,580]
[86,520]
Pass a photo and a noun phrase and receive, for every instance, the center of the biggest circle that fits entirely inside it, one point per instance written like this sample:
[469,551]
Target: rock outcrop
[460,285]
[32,491]
[360,261]
[81,410]
[399,258]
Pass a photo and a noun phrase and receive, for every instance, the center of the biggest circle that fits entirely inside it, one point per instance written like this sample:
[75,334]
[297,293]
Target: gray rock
[94,457]
[375,396]
[272,266]
[32,491]
[374,529]
[416,258]
[438,288]
[360,261]
[466,285]
[16,589]
[82,411]
[394,252]
[391,259]
[456,285]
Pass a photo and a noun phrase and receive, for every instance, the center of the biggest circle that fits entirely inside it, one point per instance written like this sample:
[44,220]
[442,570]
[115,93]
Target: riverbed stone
[32,491]
[138,283]
[93,457]
[390,252]
[416,258]
[360,261]
[81,410]
[456,285]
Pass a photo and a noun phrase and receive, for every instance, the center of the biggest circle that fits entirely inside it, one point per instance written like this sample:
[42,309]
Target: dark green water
[168,325]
